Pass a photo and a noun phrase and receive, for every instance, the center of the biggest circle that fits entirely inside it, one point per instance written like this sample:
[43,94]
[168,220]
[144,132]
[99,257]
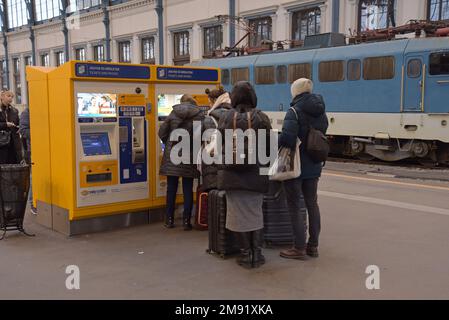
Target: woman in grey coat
[181,117]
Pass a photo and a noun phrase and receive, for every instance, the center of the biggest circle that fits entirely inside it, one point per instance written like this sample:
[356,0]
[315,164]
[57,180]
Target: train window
[378,68]
[330,71]
[225,76]
[239,74]
[281,74]
[354,71]
[439,63]
[414,68]
[265,75]
[300,70]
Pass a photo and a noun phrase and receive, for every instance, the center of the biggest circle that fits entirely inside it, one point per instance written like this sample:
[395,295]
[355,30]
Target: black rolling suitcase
[221,241]
[277,222]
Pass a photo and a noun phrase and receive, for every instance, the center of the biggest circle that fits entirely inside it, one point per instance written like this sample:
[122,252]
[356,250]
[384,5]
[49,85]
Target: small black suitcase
[277,221]
[221,241]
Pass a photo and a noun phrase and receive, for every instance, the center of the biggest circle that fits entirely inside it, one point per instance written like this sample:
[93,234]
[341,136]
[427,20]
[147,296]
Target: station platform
[397,224]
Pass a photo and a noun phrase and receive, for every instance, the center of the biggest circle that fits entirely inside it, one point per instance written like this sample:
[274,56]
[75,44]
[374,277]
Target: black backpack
[316,143]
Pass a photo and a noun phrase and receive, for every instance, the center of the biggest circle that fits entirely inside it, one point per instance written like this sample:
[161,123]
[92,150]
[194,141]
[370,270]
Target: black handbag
[5,138]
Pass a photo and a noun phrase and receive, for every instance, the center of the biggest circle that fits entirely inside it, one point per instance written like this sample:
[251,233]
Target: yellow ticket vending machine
[95,149]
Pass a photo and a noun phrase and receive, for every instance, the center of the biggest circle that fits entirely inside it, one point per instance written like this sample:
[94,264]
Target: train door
[414,77]
[437,83]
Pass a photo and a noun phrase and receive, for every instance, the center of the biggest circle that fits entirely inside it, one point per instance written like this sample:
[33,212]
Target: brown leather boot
[294,253]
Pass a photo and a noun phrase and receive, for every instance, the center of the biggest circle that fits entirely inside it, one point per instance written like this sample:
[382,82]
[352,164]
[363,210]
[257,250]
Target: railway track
[412,164]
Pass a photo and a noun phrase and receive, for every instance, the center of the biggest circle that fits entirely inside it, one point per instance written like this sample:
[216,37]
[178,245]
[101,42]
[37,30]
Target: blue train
[386,100]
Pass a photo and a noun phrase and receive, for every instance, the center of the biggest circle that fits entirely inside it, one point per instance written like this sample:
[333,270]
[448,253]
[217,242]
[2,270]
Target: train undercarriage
[428,153]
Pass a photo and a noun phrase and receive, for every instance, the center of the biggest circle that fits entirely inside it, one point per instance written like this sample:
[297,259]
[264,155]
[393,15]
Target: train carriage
[387,100]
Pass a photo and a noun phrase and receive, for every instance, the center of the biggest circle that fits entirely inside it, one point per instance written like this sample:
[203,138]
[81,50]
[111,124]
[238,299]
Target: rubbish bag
[14,187]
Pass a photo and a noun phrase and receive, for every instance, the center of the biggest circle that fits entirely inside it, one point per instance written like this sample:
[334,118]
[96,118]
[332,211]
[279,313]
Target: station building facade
[177,31]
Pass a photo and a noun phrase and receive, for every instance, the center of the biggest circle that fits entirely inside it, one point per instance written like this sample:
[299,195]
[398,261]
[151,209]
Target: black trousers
[293,190]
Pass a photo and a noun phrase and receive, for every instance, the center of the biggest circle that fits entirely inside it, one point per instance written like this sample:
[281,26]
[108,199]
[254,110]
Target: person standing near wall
[11,151]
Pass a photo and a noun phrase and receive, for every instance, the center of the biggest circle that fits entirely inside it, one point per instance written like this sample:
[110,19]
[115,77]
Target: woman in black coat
[10,143]
[244,183]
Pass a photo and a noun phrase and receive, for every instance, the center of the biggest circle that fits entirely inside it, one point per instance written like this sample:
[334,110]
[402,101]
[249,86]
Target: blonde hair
[300,86]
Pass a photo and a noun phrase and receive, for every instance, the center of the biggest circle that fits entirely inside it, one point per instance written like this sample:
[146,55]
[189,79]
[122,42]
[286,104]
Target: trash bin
[14,187]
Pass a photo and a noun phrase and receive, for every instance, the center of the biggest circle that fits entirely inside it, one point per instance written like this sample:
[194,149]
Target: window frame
[216,44]
[152,48]
[268,76]
[366,69]
[431,73]
[298,16]
[254,40]
[44,56]
[60,57]
[292,77]
[16,79]
[389,21]
[235,71]
[97,53]
[122,53]
[414,76]
[77,56]
[180,58]
[440,4]
[3,75]
[26,59]
[17,14]
[335,79]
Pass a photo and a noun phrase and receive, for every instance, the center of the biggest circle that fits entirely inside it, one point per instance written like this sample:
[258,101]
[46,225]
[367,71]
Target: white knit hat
[300,86]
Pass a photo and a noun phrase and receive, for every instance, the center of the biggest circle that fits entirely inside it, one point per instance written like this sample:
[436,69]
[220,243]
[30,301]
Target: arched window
[376,14]
[437,10]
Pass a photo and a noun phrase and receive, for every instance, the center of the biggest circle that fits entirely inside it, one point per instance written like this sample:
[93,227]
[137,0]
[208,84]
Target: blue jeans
[187,190]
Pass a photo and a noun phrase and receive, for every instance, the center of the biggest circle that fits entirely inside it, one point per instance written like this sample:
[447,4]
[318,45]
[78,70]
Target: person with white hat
[307,110]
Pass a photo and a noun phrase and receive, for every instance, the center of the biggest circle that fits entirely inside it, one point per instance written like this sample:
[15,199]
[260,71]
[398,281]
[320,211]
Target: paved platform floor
[399,225]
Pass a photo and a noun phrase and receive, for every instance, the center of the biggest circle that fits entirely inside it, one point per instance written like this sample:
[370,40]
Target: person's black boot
[169,222]
[256,248]
[187,224]
[245,258]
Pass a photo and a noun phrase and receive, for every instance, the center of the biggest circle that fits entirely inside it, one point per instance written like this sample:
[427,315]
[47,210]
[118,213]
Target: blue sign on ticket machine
[133,139]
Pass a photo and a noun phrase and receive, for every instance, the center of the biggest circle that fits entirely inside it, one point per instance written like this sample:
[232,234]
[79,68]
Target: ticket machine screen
[165,103]
[97,105]
[95,144]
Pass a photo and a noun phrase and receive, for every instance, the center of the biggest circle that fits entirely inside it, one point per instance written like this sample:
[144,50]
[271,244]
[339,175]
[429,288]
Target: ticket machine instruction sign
[111,71]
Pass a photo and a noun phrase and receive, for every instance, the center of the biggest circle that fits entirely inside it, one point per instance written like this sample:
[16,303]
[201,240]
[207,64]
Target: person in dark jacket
[220,105]
[11,147]
[181,117]
[243,183]
[310,109]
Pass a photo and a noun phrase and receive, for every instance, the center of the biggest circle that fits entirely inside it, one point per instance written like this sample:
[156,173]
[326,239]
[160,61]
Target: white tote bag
[287,164]
[209,147]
